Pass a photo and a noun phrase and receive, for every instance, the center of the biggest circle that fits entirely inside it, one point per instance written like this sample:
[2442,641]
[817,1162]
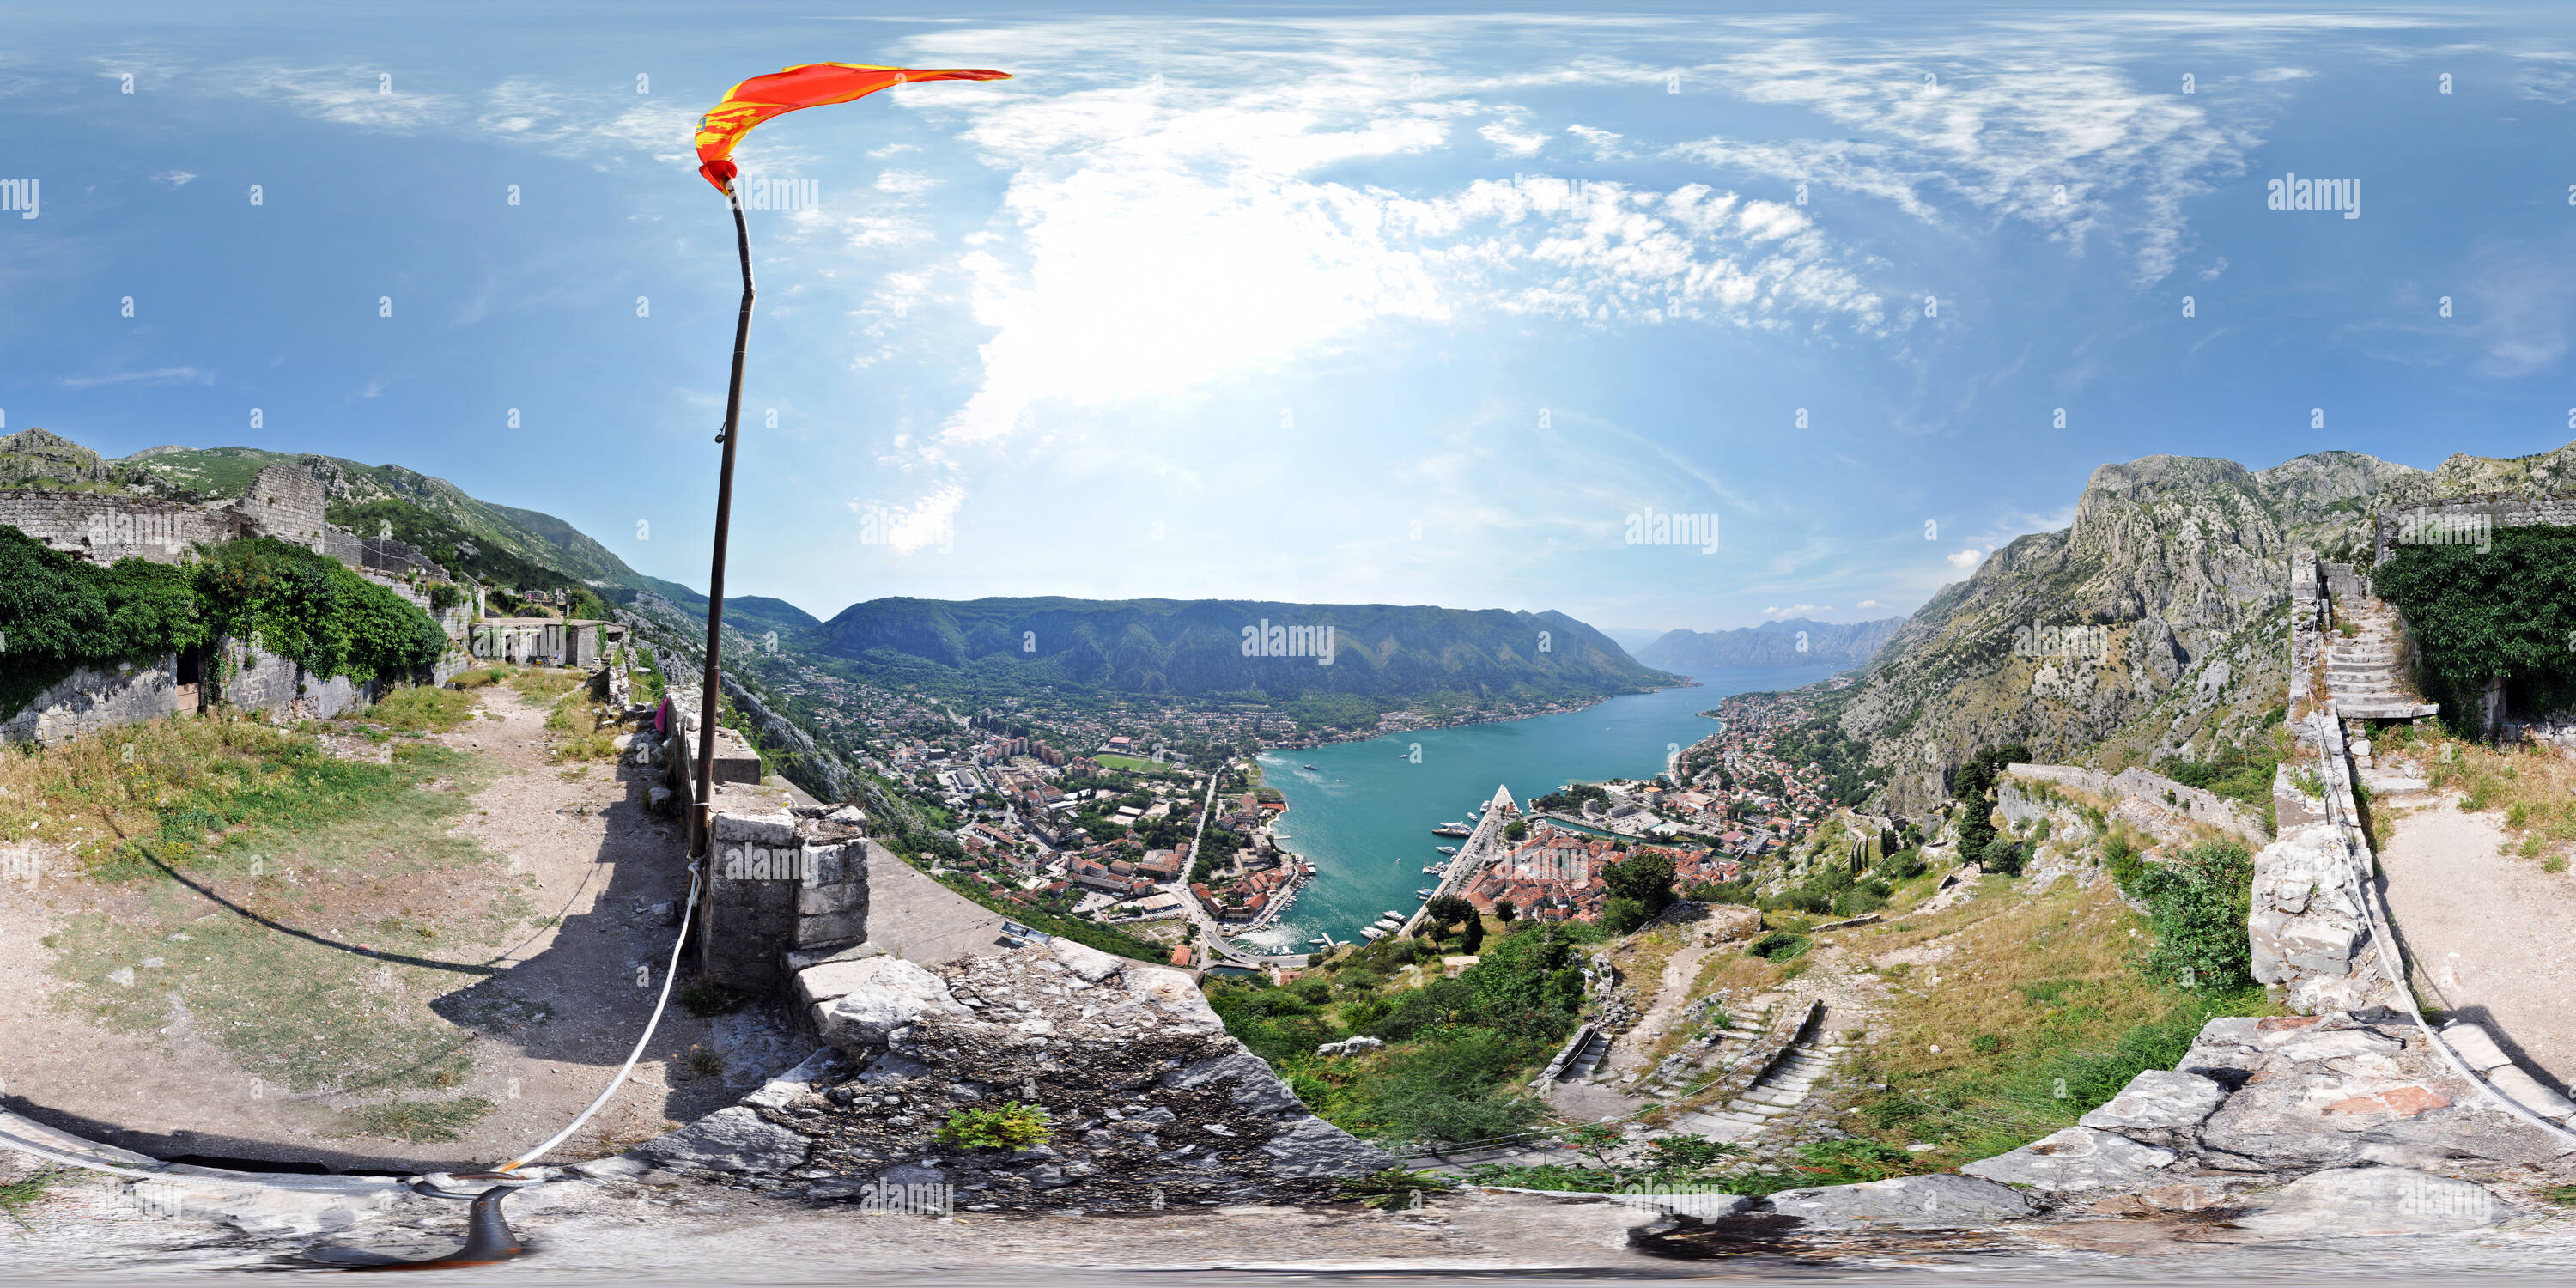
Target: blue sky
[1330,303]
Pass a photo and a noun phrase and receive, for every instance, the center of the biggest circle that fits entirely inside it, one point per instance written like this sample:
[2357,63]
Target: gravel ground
[2490,930]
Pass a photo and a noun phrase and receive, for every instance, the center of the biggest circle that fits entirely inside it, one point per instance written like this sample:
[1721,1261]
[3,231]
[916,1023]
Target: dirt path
[2490,930]
[546,1014]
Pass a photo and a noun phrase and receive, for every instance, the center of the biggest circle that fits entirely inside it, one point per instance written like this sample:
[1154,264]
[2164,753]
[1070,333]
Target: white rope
[670,975]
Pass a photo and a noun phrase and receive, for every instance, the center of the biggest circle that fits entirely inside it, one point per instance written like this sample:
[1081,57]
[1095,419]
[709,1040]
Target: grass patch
[2531,789]
[705,997]
[1013,1126]
[296,910]
[19,1195]
[2043,1014]
[420,1122]
[1110,760]
[545,683]
[421,709]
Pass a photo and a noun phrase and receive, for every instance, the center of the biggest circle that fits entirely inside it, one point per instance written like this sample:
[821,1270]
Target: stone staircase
[2363,676]
[1588,1060]
[1782,1088]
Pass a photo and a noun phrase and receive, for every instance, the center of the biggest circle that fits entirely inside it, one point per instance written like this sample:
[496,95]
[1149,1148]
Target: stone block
[1931,1201]
[2474,1047]
[2361,1202]
[1312,1147]
[834,864]
[883,997]
[2158,1100]
[1175,998]
[1090,963]
[757,829]
[2527,1092]
[835,928]
[2077,1158]
[733,1139]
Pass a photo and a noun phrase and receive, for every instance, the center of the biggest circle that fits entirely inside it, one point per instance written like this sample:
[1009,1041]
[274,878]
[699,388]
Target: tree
[1516,830]
[1448,910]
[1473,941]
[1504,911]
[2002,854]
[1640,886]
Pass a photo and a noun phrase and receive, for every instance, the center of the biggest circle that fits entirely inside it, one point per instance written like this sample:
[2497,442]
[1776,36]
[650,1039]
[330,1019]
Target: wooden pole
[702,818]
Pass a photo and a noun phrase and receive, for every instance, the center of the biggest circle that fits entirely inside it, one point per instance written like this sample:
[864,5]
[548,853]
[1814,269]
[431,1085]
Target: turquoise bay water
[1364,814]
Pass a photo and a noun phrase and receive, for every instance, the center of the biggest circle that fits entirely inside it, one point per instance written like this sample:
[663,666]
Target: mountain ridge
[1795,641]
[2174,572]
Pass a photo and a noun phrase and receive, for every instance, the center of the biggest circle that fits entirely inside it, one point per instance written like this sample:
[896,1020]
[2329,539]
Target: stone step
[1753,1107]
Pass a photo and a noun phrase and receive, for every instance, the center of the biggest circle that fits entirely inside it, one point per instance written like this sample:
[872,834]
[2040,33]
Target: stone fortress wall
[286,502]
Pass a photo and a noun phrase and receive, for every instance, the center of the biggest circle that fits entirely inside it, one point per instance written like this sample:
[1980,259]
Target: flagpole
[702,817]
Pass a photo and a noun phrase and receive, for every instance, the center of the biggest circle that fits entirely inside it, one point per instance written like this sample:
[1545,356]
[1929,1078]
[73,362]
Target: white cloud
[1603,143]
[365,96]
[1871,603]
[175,178]
[1512,144]
[905,182]
[1963,560]
[893,149]
[1797,610]
[2007,123]
[156,376]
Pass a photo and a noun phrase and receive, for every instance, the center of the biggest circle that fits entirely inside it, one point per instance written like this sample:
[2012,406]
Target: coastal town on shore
[1154,820]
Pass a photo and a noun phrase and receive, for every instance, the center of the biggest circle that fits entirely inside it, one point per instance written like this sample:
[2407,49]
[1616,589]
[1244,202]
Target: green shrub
[1860,899]
[1778,946]
[2506,611]
[1013,1126]
[2198,905]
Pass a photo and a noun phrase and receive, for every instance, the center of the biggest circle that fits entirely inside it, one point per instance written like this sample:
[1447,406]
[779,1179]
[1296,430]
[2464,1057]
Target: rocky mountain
[528,535]
[37,459]
[1795,641]
[1194,647]
[2153,625]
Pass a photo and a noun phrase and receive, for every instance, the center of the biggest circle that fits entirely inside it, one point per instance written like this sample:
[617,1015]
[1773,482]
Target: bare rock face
[2360,1202]
[2077,1158]
[1149,1104]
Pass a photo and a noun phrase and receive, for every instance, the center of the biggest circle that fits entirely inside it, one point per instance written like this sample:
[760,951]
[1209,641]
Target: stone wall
[265,682]
[93,698]
[2156,789]
[103,527]
[287,501]
[776,884]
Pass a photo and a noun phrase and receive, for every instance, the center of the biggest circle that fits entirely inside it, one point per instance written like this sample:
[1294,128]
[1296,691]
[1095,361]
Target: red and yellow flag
[812,85]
